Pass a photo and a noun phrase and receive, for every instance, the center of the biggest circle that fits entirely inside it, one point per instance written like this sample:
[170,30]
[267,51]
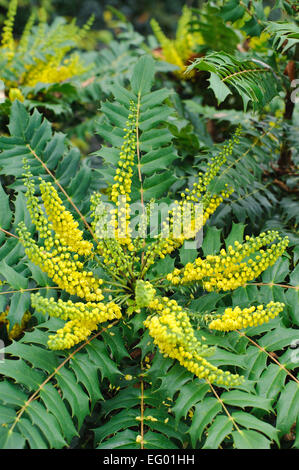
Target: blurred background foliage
[139,13]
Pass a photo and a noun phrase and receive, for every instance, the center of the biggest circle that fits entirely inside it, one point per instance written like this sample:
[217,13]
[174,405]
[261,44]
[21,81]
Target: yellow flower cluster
[169,323]
[53,70]
[210,204]
[66,272]
[120,223]
[234,319]
[7,42]
[160,248]
[59,219]
[169,52]
[182,48]
[186,42]
[174,335]
[124,172]
[54,257]
[43,53]
[168,240]
[144,293]
[82,318]
[37,215]
[121,189]
[109,247]
[188,229]
[213,168]
[63,222]
[114,256]
[17,329]
[232,268]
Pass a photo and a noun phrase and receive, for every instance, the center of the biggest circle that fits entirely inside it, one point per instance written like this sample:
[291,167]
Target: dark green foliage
[285,35]
[216,34]
[108,391]
[32,136]
[156,150]
[254,82]
[66,387]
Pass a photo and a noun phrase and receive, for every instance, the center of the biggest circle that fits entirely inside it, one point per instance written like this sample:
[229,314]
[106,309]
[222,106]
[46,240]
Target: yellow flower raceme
[167,244]
[167,241]
[66,272]
[233,268]
[169,52]
[213,168]
[115,257]
[121,189]
[234,319]
[71,334]
[43,54]
[7,42]
[54,257]
[37,215]
[186,42]
[124,172]
[63,222]
[179,50]
[82,318]
[174,335]
[59,219]
[108,246]
[53,70]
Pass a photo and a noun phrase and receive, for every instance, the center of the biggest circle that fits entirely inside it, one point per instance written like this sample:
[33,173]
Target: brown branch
[270,284]
[9,233]
[88,82]
[282,185]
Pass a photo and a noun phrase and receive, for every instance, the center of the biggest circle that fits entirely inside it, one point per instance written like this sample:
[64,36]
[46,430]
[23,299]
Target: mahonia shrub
[104,271]
[65,253]
[41,58]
